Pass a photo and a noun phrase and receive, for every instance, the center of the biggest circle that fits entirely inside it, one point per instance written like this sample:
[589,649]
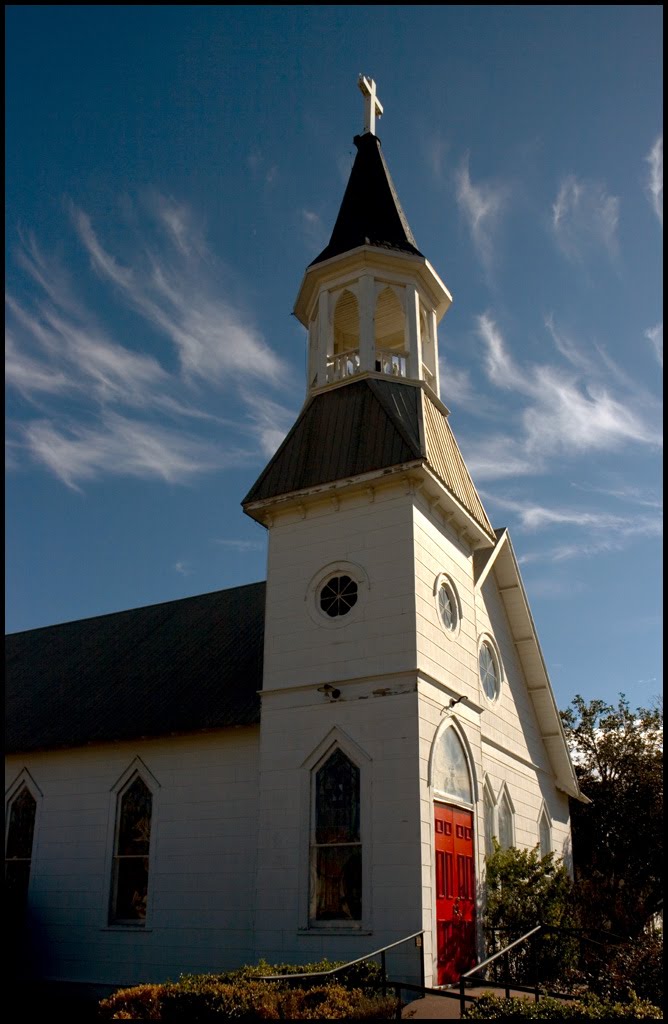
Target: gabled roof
[378,424]
[511,588]
[177,667]
[370,212]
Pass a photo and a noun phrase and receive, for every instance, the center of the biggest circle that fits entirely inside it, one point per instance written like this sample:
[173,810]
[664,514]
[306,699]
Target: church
[314,766]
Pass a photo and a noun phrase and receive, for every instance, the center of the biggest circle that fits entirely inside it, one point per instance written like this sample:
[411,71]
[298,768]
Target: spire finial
[372,106]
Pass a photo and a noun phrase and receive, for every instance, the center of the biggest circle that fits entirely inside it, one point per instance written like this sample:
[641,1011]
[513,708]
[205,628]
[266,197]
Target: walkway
[445,1008]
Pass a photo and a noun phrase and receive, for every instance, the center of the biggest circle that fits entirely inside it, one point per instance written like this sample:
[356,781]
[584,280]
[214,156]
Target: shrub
[199,999]
[589,1007]
[524,890]
[634,967]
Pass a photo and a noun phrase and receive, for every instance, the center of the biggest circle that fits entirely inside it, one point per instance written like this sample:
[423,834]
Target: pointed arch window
[22,812]
[544,833]
[450,769]
[134,807]
[488,814]
[336,847]
[506,822]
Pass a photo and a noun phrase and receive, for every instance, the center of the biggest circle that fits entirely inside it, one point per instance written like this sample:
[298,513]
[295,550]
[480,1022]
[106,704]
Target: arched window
[450,771]
[131,849]
[544,833]
[488,812]
[506,825]
[336,848]
[18,851]
[390,334]
[345,359]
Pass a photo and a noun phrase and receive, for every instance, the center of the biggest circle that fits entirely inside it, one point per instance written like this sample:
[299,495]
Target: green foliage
[199,999]
[590,1007]
[618,837]
[524,890]
[634,967]
[365,975]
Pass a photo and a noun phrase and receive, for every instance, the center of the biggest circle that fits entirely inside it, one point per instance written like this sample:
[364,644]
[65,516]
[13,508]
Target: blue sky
[171,171]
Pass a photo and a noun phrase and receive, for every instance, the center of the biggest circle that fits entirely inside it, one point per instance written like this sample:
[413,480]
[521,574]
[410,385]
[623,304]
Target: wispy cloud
[482,206]
[313,230]
[117,446]
[655,183]
[585,219]
[183,568]
[655,336]
[121,398]
[564,412]
[241,545]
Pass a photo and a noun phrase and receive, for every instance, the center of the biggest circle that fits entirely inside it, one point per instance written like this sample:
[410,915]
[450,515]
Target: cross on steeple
[372,106]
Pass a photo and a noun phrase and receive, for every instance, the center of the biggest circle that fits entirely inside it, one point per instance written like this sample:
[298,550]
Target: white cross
[372,107]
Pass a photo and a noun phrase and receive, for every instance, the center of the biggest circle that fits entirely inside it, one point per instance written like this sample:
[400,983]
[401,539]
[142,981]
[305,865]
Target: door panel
[455,892]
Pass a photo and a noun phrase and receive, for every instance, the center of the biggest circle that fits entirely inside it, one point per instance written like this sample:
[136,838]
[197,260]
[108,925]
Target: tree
[618,837]
[523,890]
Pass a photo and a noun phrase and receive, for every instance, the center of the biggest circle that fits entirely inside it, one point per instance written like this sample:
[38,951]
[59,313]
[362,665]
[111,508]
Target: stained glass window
[336,851]
[18,853]
[447,606]
[450,771]
[133,836]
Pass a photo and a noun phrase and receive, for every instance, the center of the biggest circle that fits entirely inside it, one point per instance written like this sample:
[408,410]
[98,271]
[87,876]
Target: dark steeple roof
[370,213]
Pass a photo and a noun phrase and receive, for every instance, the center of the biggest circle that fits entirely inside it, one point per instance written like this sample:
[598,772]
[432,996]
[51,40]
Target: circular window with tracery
[447,604]
[338,596]
[490,675]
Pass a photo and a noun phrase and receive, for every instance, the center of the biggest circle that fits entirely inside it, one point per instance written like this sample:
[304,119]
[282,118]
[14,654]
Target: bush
[589,1007]
[198,999]
[365,975]
[524,890]
[634,967]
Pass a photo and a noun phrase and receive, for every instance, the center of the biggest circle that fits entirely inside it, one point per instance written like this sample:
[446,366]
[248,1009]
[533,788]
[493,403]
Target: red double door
[455,892]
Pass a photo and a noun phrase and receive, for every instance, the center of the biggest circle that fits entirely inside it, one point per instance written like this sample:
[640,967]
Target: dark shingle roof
[176,667]
[370,212]
[376,426]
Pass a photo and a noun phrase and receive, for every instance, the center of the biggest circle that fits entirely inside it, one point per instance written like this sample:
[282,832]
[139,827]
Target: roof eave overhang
[416,476]
[365,258]
[525,637]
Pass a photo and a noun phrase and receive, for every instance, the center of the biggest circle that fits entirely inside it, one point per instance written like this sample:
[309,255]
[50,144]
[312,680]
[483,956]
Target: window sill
[333,929]
[136,929]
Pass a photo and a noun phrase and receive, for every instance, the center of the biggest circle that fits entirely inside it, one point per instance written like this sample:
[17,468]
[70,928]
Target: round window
[447,606]
[489,671]
[338,596]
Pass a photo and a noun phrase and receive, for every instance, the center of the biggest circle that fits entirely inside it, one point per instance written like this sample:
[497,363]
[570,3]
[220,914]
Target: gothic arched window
[18,851]
[450,770]
[336,848]
[506,829]
[131,849]
[544,834]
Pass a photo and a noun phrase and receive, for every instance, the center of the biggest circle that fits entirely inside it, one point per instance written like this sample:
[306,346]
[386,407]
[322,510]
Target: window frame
[110,920]
[24,781]
[335,738]
[488,641]
[445,582]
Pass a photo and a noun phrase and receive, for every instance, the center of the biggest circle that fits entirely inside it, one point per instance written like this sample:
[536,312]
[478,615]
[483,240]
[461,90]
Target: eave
[511,588]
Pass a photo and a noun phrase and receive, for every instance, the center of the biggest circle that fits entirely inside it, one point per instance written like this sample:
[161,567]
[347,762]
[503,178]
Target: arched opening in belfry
[390,334]
[345,359]
[428,349]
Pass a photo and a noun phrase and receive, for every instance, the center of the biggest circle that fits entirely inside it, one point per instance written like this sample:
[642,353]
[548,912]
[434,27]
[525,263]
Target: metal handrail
[506,949]
[342,967]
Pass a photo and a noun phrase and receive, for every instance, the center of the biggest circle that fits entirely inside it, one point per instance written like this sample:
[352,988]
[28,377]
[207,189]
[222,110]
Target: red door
[455,892]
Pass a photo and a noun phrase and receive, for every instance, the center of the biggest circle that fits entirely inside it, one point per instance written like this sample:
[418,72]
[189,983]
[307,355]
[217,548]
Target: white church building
[313,766]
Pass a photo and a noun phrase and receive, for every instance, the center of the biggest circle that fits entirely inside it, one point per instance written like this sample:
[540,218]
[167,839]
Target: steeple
[370,300]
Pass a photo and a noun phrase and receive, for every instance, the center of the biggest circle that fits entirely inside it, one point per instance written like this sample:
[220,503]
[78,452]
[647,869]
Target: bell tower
[370,301]
[373,521]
